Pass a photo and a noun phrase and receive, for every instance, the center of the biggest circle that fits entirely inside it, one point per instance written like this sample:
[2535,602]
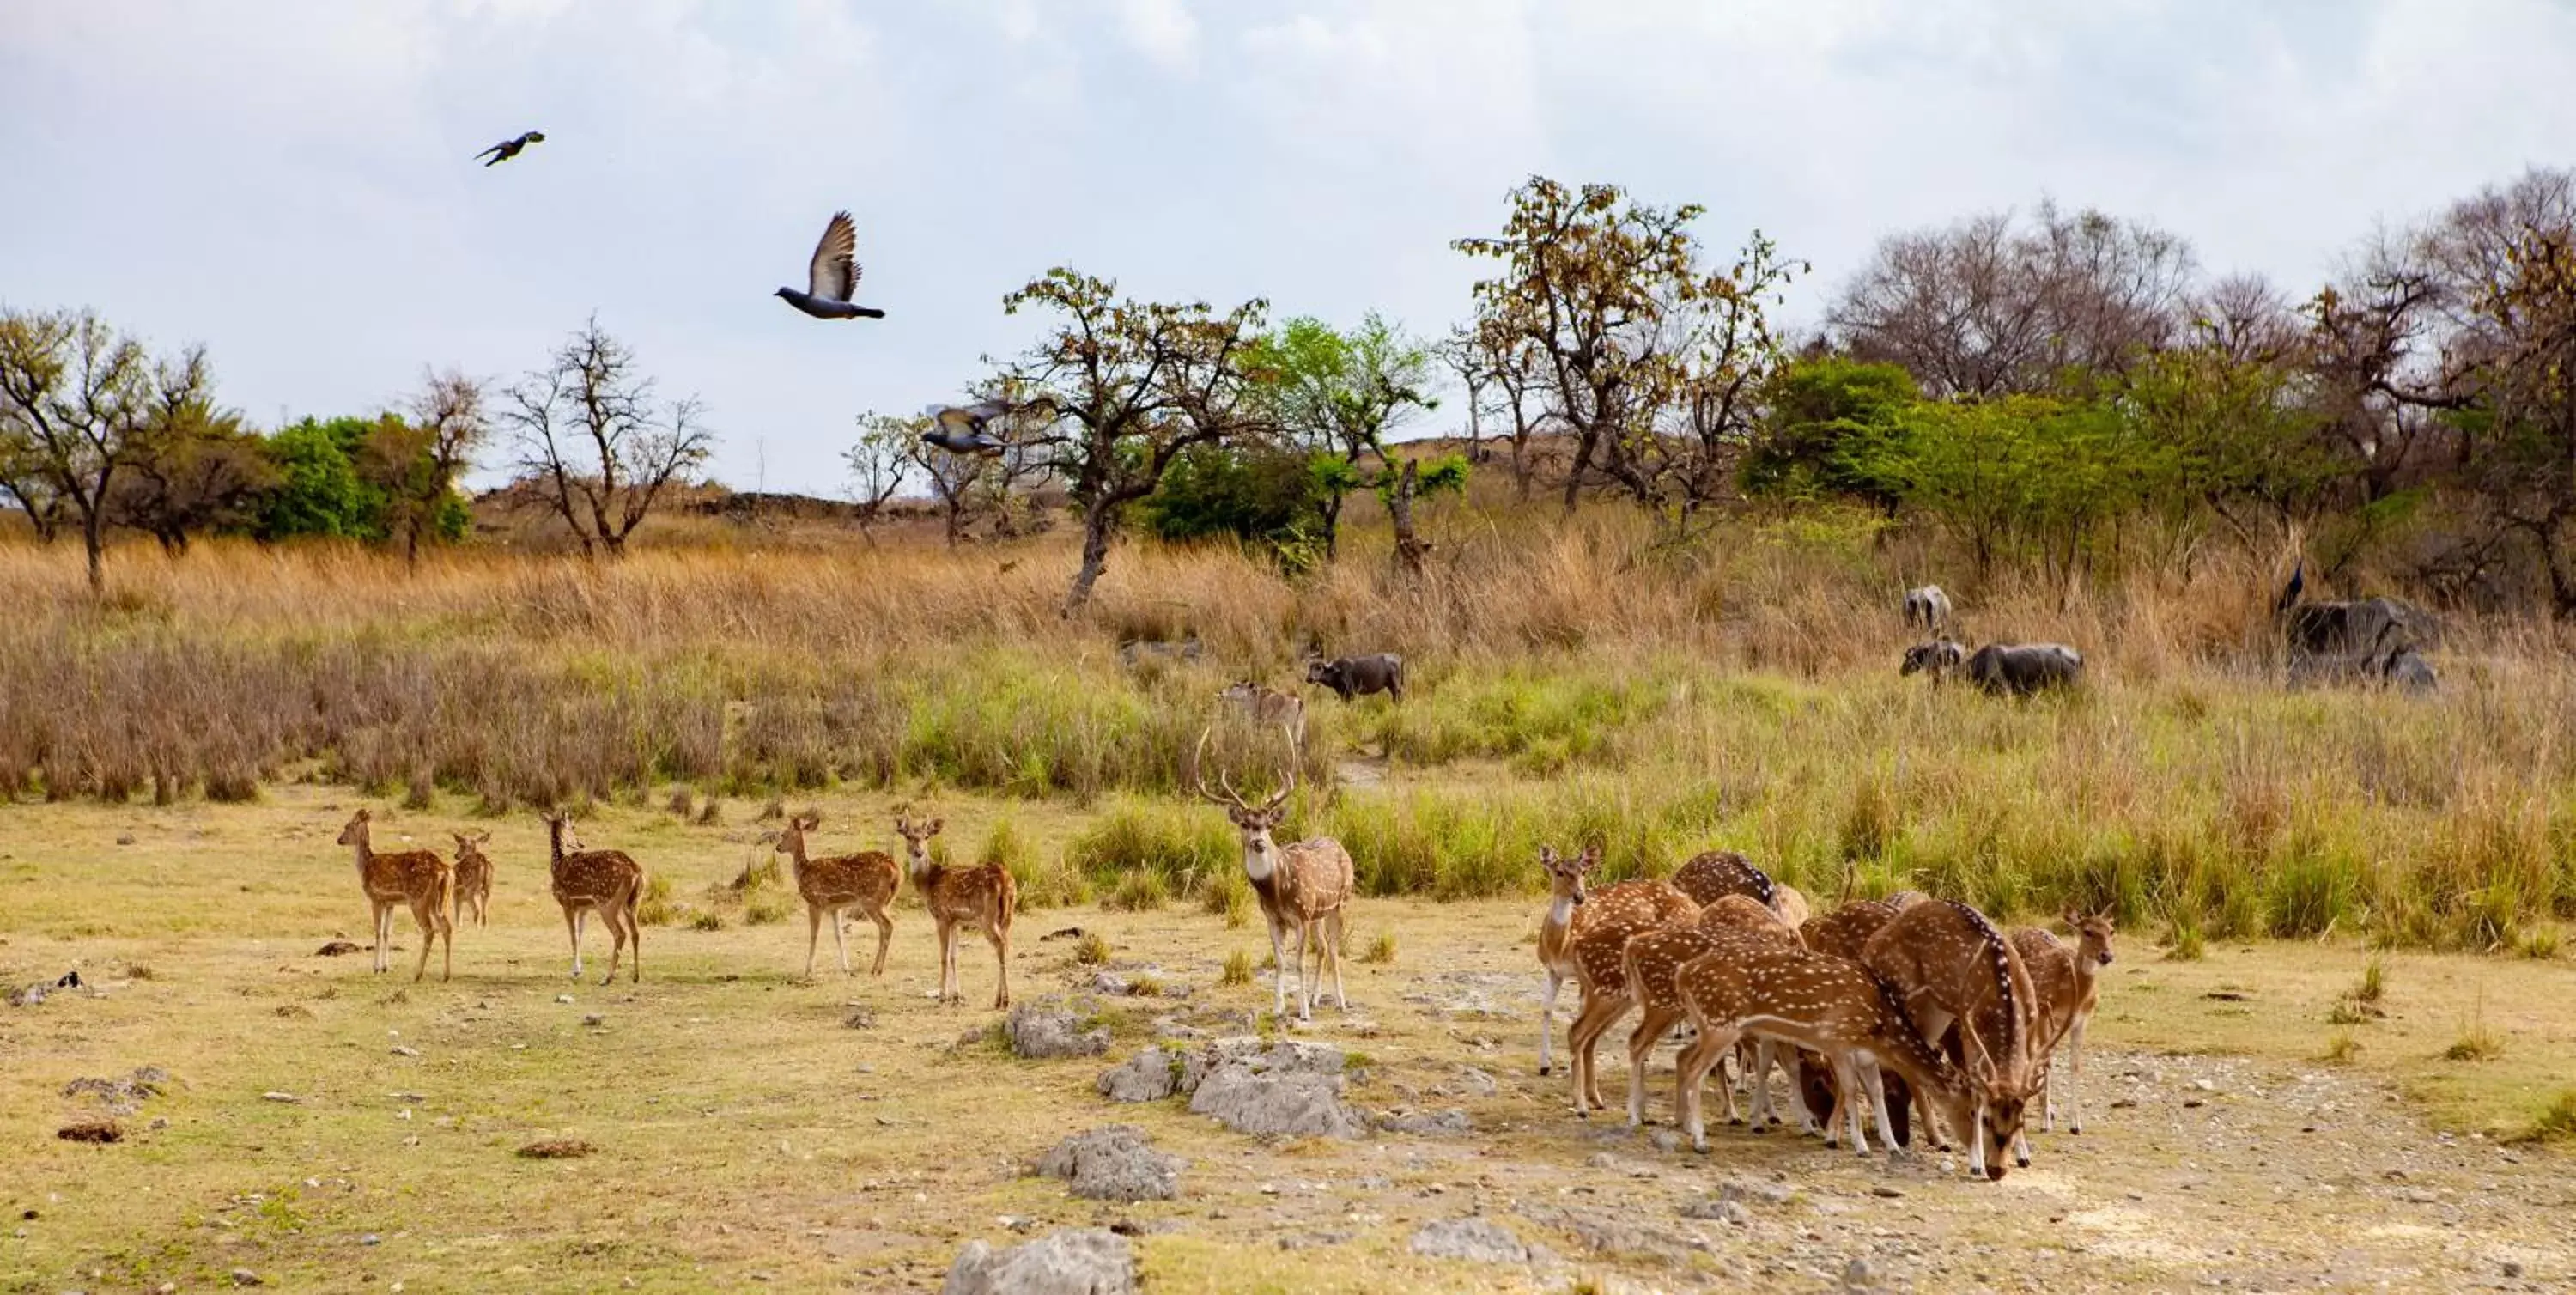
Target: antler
[1985,1059]
[1198,777]
[1294,754]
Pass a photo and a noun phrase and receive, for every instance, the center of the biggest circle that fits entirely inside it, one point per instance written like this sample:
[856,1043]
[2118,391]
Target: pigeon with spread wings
[510,148]
[834,275]
[959,429]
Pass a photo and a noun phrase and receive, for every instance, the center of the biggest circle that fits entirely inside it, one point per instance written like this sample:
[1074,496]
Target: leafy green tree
[197,472]
[1336,395]
[1832,427]
[1272,499]
[414,461]
[2039,471]
[320,490]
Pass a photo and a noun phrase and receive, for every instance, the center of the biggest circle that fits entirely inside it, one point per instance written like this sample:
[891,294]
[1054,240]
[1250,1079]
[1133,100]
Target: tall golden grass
[1573,681]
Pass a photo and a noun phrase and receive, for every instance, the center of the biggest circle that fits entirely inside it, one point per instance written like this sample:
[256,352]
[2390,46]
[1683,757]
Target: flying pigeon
[959,429]
[509,148]
[833,276]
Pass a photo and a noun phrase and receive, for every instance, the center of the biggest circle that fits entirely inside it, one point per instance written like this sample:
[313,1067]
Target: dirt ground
[323,1127]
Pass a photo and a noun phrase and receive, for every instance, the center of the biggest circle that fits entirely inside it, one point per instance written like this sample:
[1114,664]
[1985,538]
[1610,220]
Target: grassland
[745,1132]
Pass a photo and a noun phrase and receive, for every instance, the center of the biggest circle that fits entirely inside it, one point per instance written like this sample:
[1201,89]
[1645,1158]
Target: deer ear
[936,824]
[2074,919]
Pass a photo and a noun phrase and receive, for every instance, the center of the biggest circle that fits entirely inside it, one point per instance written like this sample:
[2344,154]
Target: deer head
[1565,877]
[469,845]
[2000,1098]
[791,838]
[356,832]
[1253,823]
[2092,938]
[916,837]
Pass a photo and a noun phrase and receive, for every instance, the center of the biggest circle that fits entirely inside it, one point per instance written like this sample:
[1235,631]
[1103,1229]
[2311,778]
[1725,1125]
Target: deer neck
[1560,915]
[917,862]
[359,848]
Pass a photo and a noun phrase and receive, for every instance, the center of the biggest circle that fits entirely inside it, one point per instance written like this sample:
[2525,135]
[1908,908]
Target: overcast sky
[291,182]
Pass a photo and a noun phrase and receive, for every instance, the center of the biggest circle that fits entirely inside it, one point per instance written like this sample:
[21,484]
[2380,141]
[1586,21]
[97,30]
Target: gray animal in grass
[1927,607]
[959,429]
[833,276]
[2021,669]
[2390,662]
[510,148]
[2346,628]
[1935,657]
[1358,676]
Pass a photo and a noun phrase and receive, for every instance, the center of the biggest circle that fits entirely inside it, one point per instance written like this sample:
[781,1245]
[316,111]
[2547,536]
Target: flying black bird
[510,148]
[959,429]
[833,276]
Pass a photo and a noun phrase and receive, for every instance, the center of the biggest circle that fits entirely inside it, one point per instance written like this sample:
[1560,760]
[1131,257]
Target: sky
[292,184]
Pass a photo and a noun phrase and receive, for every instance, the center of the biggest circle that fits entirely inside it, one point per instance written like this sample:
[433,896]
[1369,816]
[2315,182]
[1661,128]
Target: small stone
[405,1050]
[2512,1268]
[279,1097]
[1857,1274]
[1886,1191]
[245,1277]
[1472,1239]
[1666,1140]
[370,1239]
[2204,1085]
[563,998]
[1720,1210]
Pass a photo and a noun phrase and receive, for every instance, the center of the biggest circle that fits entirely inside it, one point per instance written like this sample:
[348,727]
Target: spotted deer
[1266,705]
[473,876]
[1712,873]
[1648,964]
[2067,986]
[418,878]
[1825,1004]
[606,882]
[981,897]
[1952,969]
[1301,886]
[1843,933]
[1565,900]
[865,881]
[1611,917]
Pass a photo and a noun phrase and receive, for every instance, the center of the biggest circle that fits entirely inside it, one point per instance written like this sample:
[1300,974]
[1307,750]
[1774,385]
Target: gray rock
[1146,1077]
[1472,1082]
[1050,1029]
[1857,1275]
[1615,1235]
[1114,1163]
[1262,1104]
[1437,1124]
[1748,1189]
[29,996]
[1718,1210]
[1479,1240]
[245,1277]
[1285,1057]
[1077,1261]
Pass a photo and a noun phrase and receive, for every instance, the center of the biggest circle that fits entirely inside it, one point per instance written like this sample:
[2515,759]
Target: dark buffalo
[1936,658]
[2347,628]
[1358,676]
[2021,669]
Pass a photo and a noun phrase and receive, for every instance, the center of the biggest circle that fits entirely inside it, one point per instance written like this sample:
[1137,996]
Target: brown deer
[1264,705]
[473,876]
[1843,933]
[1565,906]
[865,881]
[1952,968]
[1647,967]
[418,878]
[2066,984]
[606,882]
[982,897]
[1599,949]
[1712,873]
[1815,1001]
[1301,886]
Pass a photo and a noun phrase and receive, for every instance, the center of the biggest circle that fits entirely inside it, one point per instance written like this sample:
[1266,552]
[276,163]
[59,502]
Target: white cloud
[1162,30]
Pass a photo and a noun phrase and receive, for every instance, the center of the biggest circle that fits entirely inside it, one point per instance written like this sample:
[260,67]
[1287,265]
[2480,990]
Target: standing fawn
[1565,907]
[1952,968]
[981,897]
[418,878]
[865,881]
[473,876]
[1647,967]
[606,882]
[1301,886]
[1611,917]
[1815,1001]
[2067,988]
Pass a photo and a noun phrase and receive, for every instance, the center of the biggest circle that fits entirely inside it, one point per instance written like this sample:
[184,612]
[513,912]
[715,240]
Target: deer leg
[635,944]
[885,938]
[1651,1029]
[1001,938]
[1306,983]
[1547,1016]
[572,928]
[2075,1077]
[1876,1080]
[1278,972]
[1340,999]
[813,936]
[425,917]
[840,947]
[1847,1104]
[616,941]
[1693,1066]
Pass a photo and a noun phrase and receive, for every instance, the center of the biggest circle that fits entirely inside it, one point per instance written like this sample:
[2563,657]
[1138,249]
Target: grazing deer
[865,881]
[418,878]
[473,876]
[981,897]
[2067,987]
[1843,933]
[1712,873]
[1301,886]
[1599,950]
[1647,966]
[1269,706]
[1952,968]
[1815,1001]
[1790,904]
[606,882]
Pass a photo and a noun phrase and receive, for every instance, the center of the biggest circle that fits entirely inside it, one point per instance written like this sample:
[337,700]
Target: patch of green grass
[2187,944]
[655,908]
[2341,1047]
[1381,950]
[2374,982]
[764,912]
[1141,891]
[2556,1121]
[2540,943]
[1238,969]
[706,922]
[1092,950]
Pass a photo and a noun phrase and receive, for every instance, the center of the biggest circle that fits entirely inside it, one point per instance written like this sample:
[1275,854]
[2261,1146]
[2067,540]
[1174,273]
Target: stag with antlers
[1301,885]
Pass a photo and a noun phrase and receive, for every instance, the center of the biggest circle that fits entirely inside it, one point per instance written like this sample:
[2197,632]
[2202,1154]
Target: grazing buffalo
[1927,607]
[2348,628]
[2021,669]
[1356,676]
[1937,657]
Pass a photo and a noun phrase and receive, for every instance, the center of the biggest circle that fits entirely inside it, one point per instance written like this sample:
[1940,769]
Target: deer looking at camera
[865,881]
[981,897]
[1301,886]
[418,878]
[473,876]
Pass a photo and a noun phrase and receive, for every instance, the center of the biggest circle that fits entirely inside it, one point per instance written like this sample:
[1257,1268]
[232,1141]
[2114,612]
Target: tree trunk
[1409,549]
[1332,510]
[1096,523]
[94,538]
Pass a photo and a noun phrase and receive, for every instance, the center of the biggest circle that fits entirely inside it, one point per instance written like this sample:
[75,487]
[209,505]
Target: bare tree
[590,434]
[1985,306]
[1126,386]
[80,401]
[195,469]
[882,462]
